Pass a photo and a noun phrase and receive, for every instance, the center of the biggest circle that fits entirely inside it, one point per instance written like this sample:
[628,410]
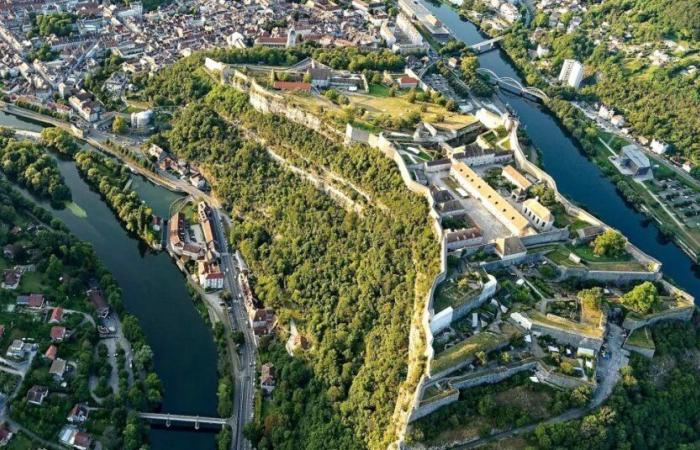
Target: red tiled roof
[56,314]
[51,352]
[58,332]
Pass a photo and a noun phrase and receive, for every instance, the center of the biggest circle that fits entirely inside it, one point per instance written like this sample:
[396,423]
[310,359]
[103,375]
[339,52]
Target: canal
[154,290]
[576,177]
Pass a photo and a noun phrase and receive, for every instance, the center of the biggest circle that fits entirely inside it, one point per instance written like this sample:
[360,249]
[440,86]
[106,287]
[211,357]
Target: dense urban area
[343,224]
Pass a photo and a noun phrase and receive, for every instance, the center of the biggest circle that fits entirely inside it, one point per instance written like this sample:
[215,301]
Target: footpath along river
[576,177]
[154,291]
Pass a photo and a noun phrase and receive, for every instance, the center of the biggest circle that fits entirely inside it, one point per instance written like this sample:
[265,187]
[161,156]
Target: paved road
[244,390]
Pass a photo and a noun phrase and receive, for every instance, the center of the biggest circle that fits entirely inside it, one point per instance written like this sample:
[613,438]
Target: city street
[244,391]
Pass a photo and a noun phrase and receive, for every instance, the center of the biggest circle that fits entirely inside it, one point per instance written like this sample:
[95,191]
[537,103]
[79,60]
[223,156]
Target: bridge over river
[168,419]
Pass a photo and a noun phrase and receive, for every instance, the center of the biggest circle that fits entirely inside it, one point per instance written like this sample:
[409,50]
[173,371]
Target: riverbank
[644,202]
[154,291]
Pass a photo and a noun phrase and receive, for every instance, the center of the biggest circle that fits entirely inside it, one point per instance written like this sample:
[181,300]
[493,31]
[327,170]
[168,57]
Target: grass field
[641,337]
[450,294]
[484,341]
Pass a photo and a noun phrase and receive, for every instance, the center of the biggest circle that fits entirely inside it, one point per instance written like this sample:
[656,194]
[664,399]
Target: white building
[539,215]
[141,119]
[571,73]
[658,147]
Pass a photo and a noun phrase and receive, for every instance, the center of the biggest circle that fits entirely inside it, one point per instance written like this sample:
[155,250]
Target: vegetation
[641,298]
[609,243]
[27,164]
[64,268]
[59,140]
[655,405]
[109,177]
[352,278]
[60,24]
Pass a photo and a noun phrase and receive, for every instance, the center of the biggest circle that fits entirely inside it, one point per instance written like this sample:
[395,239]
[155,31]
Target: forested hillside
[638,56]
[350,282]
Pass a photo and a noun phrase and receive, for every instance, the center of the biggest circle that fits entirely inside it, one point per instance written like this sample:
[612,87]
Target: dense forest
[350,282]
[109,178]
[30,166]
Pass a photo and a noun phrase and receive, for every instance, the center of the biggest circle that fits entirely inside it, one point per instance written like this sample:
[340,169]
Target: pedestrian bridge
[487,45]
[513,85]
[168,419]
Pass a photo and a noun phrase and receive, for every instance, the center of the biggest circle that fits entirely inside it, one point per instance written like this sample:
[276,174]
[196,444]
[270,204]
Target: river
[154,290]
[577,178]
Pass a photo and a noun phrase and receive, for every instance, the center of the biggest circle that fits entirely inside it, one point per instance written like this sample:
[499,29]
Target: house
[37,394]
[658,147]
[198,181]
[267,378]
[17,349]
[58,368]
[79,413]
[71,437]
[5,434]
[81,441]
[9,251]
[58,333]
[157,152]
[31,301]
[11,279]
[51,352]
[539,215]
[406,82]
[56,315]
[210,275]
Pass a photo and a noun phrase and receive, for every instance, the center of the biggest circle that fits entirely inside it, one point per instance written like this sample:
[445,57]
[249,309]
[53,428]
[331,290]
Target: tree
[609,243]
[119,125]
[641,298]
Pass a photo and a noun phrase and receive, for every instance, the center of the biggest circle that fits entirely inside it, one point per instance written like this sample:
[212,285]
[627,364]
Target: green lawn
[32,282]
[379,90]
[641,337]
[484,341]
[449,293]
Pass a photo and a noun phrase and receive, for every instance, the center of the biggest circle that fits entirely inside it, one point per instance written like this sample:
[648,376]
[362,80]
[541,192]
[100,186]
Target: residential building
[5,434]
[51,352]
[58,369]
[17,349]
[58,334]
[79,414]
[56,315]
[571,73]
[37,394]
[31,301]
[210,275]
[11,279]
[267,378]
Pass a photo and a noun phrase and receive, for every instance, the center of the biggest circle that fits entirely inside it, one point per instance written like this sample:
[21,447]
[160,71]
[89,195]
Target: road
[244,391]
[678,171]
